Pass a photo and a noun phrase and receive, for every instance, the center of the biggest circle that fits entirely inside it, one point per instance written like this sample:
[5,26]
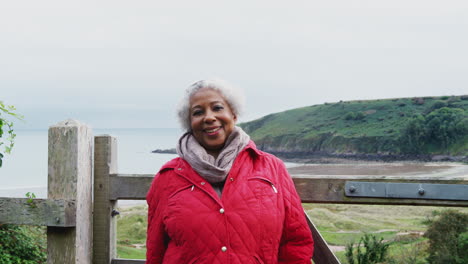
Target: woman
[223,200]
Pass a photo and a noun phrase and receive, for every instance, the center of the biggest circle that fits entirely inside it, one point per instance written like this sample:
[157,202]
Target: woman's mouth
[212,131]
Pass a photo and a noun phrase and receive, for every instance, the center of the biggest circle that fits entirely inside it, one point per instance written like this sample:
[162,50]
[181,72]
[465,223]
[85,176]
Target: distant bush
[446,125]
[359,116]
[413,253]
[355,116]
[442,127]
[444,97]
[350,116]
[418,100]
[371,251]
[413,136]
[454,99]
[463,248]
[448,238]
[436,105]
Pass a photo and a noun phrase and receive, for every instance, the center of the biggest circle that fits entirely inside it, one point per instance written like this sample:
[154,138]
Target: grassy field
[402,226]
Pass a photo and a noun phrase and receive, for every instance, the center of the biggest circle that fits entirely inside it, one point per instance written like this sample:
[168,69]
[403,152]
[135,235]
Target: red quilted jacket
[258,219]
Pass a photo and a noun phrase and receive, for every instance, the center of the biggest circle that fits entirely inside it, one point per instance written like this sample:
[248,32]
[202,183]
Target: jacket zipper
[267,181]
[274,188]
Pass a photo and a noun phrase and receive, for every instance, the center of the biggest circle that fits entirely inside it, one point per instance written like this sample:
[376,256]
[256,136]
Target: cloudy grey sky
[126,63]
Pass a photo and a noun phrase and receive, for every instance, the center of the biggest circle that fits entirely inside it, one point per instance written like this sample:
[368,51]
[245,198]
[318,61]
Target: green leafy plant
[463,248]
[369,250]
[7,143]
[30,201]
[447,234]
[22,245]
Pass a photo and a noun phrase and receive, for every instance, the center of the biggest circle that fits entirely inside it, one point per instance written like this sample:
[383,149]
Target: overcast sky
[126,63]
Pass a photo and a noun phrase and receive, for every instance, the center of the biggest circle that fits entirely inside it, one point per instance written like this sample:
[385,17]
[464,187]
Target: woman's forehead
[206,96]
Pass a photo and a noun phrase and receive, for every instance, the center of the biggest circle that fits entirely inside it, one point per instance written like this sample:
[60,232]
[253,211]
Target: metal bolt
[114,212]
[421,191]
[352,189]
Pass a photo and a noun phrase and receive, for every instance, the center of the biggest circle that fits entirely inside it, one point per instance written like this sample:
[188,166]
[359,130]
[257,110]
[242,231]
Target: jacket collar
[252,148]
[181,164]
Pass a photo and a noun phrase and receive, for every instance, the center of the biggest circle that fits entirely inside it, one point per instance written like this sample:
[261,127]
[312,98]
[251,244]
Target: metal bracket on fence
[428,191]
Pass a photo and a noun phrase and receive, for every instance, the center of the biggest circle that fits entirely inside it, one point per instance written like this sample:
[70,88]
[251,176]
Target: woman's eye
[218,108]
[196,113]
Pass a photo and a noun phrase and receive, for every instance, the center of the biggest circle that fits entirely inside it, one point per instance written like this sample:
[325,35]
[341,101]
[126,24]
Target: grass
[127,252]
[131,232]
[340,225]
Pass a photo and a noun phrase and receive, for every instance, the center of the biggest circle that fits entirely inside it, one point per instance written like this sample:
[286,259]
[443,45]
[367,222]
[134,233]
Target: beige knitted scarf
[211,169]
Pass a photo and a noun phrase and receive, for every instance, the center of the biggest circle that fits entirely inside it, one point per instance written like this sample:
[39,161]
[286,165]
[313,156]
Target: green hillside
[403,127]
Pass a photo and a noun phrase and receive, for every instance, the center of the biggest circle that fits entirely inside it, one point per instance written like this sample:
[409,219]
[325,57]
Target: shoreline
[321,158]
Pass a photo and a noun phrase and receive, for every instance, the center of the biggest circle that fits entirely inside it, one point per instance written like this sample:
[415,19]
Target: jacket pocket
[258,181]
[176,212]
[267,206]
[187,187]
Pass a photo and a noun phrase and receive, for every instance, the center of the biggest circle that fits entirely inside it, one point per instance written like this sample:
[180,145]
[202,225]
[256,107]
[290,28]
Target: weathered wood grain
[104,228]
[129,186]
[70,178]
[40,212]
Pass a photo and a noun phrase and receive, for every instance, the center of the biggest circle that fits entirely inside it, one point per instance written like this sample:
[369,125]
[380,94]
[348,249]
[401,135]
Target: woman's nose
[210,117]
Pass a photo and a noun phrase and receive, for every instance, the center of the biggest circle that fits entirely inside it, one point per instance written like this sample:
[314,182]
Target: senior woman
[223,200]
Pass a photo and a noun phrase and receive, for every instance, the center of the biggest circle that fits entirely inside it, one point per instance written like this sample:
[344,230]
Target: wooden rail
[317,189]
[311,189]
[40,212]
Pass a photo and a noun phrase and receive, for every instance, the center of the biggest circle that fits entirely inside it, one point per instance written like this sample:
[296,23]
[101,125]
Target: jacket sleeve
[157,239]
[296,245]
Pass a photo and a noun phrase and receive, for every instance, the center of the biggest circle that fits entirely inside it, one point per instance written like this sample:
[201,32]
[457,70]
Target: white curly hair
[233,96]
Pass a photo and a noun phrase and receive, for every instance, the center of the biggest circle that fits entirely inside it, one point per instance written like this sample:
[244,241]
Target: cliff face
[374,127]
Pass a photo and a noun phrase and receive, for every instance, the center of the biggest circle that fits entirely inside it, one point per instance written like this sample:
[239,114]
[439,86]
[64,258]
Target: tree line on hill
[440,128]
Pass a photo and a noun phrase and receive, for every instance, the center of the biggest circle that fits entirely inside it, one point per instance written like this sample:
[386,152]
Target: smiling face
[211,119]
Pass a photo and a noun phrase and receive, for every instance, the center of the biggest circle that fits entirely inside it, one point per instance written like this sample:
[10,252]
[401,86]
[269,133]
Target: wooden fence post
[104,229]
[70,177]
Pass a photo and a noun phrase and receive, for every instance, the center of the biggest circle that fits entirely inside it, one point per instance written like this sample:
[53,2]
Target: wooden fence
[80,209]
